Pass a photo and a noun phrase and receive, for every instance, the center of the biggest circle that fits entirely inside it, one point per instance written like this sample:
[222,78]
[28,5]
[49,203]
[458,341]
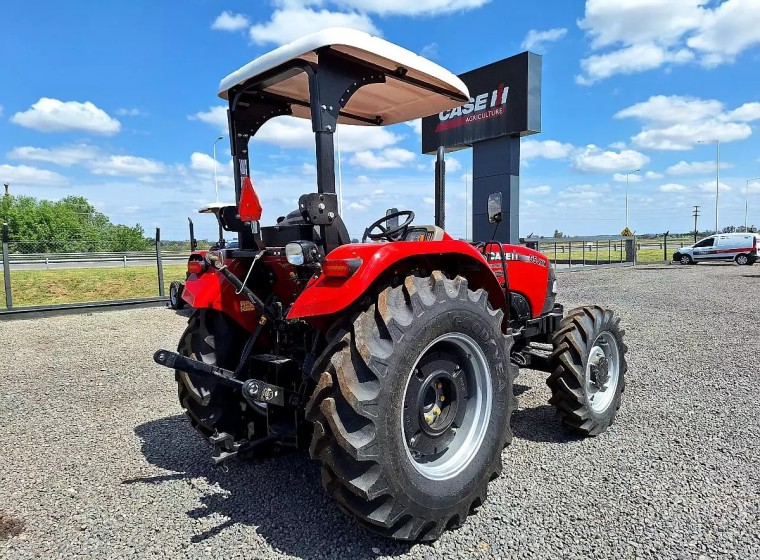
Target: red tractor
[392,360]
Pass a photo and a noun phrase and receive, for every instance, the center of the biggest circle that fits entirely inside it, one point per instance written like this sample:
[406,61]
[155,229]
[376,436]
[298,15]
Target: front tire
[214,338]
[412,407]
[686,259]
[175,295]
[588,368]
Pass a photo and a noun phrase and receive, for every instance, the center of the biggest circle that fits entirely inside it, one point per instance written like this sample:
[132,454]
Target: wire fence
[50,272]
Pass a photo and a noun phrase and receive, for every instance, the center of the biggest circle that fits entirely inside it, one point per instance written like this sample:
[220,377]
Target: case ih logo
[483,107]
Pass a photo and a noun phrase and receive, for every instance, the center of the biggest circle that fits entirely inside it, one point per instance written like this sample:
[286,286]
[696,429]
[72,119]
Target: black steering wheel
[389,234]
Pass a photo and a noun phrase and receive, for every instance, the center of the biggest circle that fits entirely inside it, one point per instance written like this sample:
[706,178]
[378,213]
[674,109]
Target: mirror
[494,207]
[392,223]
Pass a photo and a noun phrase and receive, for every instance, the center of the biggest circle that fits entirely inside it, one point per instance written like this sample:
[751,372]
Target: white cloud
[726,31]
[595,160]
[672,187]
[653,175]
[709,187]
[292,132]
[678,123]
[24,175]
[129,112]
[428,200]
[215,116]
[407,8]
[53,115]
[639,35]
[632,178]
[293,21]
[429,51]
[228,21]
[537,40]
[582,193]
[357,206]
[65,156]
[308,169]
[416,125]
[543,189]
[746,113]
[628,60]
[547,149]
[202,163]
[390,158]
[672,109]
[131,166]
[1,110]
[695,167]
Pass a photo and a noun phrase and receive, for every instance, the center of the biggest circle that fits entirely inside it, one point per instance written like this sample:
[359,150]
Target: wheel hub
[602,371]
[446,406]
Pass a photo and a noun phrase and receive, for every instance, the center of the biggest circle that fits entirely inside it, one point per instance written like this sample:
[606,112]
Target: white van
[739,247]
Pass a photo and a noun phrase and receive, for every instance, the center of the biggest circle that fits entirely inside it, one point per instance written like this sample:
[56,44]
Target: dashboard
[424,233]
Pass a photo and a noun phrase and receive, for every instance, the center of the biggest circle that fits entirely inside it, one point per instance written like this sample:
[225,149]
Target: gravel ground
[98,462]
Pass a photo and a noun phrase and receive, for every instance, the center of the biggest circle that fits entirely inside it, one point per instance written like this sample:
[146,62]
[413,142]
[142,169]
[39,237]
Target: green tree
[69,225]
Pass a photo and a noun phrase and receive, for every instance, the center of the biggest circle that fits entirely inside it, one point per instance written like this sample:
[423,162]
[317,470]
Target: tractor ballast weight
[391,361]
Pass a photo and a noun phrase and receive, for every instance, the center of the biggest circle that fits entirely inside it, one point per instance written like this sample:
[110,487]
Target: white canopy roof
[394,101]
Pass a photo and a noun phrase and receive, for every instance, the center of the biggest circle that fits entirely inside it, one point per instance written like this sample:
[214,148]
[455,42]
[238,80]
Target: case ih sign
[505,100]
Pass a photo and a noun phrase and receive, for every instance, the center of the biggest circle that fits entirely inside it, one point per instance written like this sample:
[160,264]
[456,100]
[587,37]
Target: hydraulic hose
[240,287]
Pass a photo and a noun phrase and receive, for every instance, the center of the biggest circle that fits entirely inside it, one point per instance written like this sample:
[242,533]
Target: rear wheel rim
[447,406]
[602,372]
[173,295]
[742,259]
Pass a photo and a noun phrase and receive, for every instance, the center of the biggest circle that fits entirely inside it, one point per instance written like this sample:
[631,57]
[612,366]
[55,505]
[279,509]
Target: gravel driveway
[98,462]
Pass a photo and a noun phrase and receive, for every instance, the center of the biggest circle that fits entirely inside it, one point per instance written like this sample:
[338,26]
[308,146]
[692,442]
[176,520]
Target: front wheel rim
[441,441]
[602,372]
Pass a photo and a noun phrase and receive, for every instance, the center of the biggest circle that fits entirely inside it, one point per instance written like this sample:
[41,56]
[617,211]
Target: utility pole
[696,215]
[7,187]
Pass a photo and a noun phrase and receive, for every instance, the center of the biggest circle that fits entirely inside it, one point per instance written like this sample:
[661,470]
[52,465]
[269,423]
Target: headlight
[294,254]
[301,253]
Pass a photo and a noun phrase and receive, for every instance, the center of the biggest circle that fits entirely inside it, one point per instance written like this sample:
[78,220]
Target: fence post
[7,269]
[125,261]
[583,253]
[159,263]
[665,248]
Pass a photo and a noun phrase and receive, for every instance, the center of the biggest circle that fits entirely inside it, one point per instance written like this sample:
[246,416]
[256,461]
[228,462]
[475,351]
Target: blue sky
[117,102]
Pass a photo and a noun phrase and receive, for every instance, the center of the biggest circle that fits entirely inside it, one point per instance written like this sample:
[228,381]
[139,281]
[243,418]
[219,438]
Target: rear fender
[325,296]
[211,290]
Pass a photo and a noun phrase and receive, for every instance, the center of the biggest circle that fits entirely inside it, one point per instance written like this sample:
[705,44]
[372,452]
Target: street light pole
[746,201]
[717,178]
[216,181]
[626,195]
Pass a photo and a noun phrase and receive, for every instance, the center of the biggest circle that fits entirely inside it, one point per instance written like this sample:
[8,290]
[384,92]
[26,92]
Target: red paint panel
[528,273]
[325,295]
[211,290]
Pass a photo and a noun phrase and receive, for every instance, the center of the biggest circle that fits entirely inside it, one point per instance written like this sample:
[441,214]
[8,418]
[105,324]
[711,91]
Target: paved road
[98,461]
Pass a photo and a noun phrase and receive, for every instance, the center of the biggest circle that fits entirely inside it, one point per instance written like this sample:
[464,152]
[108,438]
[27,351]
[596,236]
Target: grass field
[44,287]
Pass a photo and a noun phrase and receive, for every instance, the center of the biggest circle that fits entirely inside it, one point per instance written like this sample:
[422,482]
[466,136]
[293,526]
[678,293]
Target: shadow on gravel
[280,498]
[541,425]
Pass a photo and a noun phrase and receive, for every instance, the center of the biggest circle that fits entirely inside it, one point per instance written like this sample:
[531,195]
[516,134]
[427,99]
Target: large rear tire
[214,338]
[588,369]
[412,408]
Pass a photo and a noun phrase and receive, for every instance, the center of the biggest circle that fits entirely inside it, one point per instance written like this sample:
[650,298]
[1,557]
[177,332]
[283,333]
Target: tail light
[196,267]
[340,268]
